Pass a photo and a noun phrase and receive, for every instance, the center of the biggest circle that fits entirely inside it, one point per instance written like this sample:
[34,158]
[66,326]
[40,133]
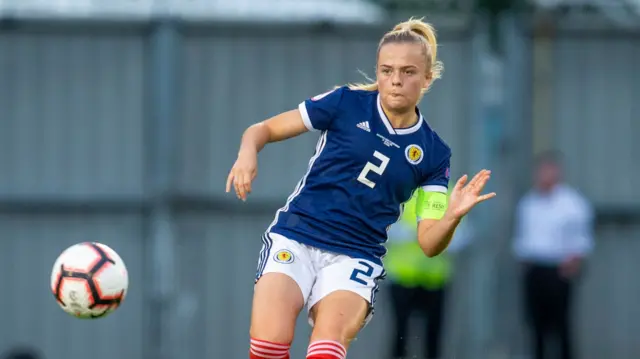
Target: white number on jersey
[384,161]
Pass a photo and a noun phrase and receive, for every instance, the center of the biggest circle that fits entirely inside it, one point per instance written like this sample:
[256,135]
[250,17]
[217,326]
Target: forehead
[401,54]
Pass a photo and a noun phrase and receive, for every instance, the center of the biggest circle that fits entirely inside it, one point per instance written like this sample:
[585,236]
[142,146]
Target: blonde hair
[412,30]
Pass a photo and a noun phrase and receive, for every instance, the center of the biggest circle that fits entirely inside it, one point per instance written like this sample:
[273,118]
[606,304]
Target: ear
[428,77]
[426,85]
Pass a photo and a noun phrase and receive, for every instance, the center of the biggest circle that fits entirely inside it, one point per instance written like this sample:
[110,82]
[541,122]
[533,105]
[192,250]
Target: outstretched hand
[464,197]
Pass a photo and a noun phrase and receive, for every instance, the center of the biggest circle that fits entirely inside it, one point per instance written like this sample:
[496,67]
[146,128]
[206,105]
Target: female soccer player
[324,247]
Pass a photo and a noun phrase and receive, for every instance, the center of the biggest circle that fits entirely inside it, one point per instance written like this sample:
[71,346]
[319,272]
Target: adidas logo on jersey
[364,126]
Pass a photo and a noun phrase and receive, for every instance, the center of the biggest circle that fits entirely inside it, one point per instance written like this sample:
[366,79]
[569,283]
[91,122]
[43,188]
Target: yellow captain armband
[431,205]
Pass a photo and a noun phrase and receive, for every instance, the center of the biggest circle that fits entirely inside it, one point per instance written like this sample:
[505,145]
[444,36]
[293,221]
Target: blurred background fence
[120,121]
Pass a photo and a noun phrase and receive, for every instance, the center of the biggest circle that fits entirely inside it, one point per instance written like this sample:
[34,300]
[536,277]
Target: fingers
[229,181]
[482,181]
[476,185]
[485,197]
[461,182]
[237,184]
[241,182]
[247,183]
[480,177]
[244,186]
[479,181]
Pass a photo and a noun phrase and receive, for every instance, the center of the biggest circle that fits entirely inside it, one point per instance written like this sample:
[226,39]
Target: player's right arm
[313,114]
[278,128]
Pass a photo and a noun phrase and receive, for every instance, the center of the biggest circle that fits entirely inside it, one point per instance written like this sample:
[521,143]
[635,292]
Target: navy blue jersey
[362,172]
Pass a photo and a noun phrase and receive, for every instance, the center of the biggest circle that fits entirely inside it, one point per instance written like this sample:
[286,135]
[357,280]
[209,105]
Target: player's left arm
[435,227]
[439,214]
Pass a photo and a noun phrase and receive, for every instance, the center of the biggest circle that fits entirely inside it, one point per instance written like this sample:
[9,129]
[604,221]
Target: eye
[386,71]
[410,72]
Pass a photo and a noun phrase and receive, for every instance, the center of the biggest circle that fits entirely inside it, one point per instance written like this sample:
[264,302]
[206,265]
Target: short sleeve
[318,112]
[438,179]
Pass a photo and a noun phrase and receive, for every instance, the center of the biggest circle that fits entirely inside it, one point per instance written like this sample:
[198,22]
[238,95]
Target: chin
[398,105]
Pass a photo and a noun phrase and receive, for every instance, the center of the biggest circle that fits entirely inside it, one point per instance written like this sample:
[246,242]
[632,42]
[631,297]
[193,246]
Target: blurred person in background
[553,237]
[419,283]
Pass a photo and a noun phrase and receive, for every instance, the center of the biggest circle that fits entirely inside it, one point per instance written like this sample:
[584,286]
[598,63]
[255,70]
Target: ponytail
[428,34]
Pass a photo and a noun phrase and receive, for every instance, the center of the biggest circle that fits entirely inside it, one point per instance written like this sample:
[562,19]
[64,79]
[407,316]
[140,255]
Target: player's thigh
[283,283]
[342,299]
[277,302]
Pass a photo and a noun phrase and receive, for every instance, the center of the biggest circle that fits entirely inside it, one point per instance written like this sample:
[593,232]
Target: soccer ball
[89,280]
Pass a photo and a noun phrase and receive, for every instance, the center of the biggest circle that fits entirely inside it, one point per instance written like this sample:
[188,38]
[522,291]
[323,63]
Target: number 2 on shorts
[367,272]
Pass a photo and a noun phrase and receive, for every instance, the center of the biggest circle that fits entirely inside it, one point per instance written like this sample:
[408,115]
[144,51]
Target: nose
[396,79]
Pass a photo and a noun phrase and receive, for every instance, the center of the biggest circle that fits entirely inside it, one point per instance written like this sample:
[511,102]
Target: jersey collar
[397,131]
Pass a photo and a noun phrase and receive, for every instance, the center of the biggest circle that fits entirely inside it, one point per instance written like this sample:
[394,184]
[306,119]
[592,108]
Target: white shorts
[318,273]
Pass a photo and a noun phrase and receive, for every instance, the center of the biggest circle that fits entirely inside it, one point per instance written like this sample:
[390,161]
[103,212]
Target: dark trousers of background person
[407,301]
[548,308]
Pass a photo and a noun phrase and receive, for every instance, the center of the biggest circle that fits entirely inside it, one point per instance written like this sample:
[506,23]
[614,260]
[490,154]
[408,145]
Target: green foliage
[490,6]
[424,5]
[495,7]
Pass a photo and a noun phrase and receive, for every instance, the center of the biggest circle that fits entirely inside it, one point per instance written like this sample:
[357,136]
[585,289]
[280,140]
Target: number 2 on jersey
[370,167]
[367,272]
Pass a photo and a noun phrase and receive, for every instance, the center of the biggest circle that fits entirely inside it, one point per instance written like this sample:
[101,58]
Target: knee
[339,318]
[272,334]
[270,340]
[336,328]
[338,331]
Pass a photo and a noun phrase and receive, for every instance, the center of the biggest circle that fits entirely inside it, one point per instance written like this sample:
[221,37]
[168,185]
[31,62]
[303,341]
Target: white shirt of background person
[554,223]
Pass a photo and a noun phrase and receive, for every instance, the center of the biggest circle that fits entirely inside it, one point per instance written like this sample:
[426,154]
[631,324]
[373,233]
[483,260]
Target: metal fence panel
[597,115]
[72,113]
[217,257]
[608,298]
[29,314]
[236,77]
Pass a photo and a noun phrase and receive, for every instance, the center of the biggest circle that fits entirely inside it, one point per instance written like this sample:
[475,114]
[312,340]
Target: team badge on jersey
[414,154]
[283,256]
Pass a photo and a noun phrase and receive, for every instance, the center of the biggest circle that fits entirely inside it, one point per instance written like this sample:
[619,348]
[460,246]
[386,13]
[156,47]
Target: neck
[546,189]
[401,119]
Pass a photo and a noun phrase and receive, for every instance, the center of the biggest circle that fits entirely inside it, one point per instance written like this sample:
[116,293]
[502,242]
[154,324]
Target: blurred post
[486,136]
[515,159]
[543,43]
[163,127]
